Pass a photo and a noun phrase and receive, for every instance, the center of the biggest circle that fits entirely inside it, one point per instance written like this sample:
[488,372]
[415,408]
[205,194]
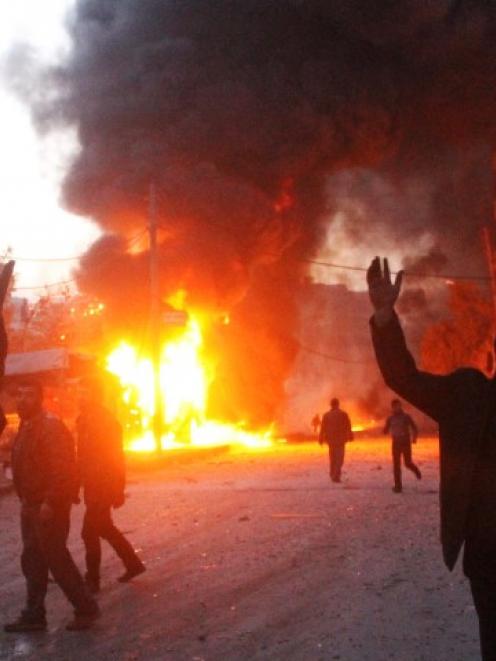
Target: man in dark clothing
[5,277]
[400,425]
[335,430]
[45,479]
[102,475]
[464,405]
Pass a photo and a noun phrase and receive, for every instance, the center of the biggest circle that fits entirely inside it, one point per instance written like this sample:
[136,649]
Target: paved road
[258,556]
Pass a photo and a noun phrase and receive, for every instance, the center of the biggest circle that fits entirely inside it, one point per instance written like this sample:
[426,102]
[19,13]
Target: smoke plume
[239,112]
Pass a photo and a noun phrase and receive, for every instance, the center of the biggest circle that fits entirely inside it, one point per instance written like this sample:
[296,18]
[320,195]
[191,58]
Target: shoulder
[468,377]
[54,425]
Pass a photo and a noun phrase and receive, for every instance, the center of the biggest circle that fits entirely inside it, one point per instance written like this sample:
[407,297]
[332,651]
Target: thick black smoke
[237,111]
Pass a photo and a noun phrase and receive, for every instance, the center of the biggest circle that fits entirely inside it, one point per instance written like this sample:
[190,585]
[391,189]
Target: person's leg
[407,459]
[337,455]
[396,452]
[90,534]
[34,565]
[53,540]
[118,542]
[331,461]
[340,459]
[484,596]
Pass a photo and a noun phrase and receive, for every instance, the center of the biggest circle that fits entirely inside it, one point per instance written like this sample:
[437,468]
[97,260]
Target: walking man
[464,405]
[45,479]
[102,474]
[403,432]
[335,430]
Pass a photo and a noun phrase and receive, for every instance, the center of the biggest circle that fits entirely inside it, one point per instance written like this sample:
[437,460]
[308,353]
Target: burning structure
[258,125]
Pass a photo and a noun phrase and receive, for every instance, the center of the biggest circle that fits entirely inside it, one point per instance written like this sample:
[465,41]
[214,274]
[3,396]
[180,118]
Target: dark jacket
[460,403]
[100,456]
[400,425]
[335,428]
[43,462]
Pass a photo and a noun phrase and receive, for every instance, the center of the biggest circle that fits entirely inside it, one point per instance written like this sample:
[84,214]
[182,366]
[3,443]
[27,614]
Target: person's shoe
[397,489]
[129,574]
[93,584]
[25,624]
[336,479]
[83,621]
[418,474]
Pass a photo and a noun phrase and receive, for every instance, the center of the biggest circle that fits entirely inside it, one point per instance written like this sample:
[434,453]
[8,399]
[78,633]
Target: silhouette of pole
[155,320]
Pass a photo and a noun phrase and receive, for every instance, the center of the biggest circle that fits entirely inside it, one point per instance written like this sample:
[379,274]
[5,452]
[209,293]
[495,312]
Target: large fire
[185,378]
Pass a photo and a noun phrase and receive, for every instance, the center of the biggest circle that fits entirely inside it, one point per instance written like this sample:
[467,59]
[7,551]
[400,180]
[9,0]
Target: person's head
[396,405]
[29,398]
[334,403]
[90,391]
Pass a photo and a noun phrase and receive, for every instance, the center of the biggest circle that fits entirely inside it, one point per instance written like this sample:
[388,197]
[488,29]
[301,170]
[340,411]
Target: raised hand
[383,293]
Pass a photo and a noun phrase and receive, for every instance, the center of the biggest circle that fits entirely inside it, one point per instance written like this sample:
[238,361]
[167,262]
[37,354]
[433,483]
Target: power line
[130,242]
[412,274]
[46,285]
[335,358]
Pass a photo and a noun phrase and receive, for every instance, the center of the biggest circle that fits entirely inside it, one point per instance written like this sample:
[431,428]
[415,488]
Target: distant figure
[404,432]
[316,423]
[45,479]
[102,473]
[335,430]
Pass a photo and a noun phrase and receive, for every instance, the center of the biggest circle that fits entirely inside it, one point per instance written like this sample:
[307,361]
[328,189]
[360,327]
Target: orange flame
[185,377]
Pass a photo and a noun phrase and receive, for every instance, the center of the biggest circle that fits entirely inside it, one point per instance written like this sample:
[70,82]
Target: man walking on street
[45,479]
[464,405]
[102,474]
[335,430]
[400,425]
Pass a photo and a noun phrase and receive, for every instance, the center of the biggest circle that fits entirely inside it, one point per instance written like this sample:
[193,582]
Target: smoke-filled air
[250,127]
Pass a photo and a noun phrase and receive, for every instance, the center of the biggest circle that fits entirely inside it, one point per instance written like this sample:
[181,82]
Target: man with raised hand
[463,403]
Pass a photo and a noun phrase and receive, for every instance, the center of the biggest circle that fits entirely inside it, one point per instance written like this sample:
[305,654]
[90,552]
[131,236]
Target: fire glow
[185,379]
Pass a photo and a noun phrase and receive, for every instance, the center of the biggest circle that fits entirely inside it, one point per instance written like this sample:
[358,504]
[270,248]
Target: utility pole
[155,320]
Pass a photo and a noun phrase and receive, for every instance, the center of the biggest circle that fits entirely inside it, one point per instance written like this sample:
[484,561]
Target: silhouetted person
[403,432]
[5,276]
[45,479]
[335,430]
[102,474]
[316,422]
[463,403]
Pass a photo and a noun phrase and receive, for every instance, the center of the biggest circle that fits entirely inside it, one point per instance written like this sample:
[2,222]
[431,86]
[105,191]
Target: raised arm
[5,276]
[430,393]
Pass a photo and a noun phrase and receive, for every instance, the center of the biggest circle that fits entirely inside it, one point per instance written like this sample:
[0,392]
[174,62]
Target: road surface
[256,555]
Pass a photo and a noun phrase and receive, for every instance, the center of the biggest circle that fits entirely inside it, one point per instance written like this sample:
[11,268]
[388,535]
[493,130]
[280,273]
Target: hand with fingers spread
[383,293]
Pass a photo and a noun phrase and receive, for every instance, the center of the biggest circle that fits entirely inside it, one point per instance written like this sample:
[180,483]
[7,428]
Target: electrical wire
[335,359]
